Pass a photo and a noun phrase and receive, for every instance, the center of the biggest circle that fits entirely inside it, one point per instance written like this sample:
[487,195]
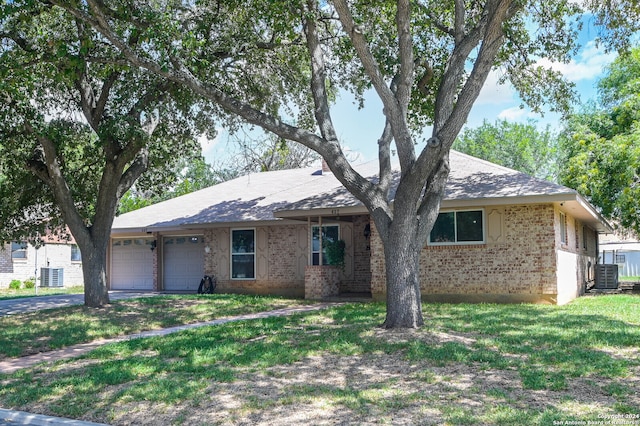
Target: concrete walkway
[10,417]
[8,366]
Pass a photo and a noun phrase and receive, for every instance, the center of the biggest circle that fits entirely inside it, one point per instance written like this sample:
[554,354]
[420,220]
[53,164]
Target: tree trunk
[94,271]
[402,262]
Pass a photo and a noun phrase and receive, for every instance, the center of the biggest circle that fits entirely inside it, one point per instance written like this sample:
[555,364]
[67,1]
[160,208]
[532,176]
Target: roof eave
[570,201]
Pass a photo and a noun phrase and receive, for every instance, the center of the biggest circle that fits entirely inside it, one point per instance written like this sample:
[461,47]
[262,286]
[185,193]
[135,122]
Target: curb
[22,418]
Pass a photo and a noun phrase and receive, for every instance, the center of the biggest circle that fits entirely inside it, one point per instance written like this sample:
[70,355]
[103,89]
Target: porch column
[320,240]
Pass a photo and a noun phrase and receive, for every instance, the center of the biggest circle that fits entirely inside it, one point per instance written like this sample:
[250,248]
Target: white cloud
[588,65]
[209,144]
[513,114]
[493,93]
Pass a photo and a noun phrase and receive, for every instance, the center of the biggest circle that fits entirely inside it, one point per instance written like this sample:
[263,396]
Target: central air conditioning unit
[606,276]
[51,277]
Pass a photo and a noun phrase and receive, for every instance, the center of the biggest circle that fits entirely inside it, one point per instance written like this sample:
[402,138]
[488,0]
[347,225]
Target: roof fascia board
[335,211]
[199,226]
[591,209]
[503,201]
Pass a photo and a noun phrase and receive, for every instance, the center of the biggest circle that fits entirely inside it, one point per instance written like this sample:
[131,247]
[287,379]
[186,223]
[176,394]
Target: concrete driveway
[37,303]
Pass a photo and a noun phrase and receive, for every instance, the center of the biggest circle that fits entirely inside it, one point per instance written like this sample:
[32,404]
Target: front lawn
[9,293]
[42,331]
[471,364]
[634,279]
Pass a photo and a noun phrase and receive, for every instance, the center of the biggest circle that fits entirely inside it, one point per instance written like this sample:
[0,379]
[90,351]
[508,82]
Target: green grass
[631,278]
[43,331]
[540,355]
[7,293]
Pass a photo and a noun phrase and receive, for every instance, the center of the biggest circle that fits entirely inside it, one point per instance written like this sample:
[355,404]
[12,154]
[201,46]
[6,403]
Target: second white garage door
[183,263]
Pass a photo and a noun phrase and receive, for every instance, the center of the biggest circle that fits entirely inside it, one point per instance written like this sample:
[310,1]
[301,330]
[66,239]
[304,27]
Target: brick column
[321,281]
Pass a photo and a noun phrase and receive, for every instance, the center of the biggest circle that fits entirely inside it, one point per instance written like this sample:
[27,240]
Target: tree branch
[430,205]
[459,27]
[364,190]
[384,157]
[491,42]
[318,79]
[407,66]
[393,109]
[101,104]
[133,172]
[48,170]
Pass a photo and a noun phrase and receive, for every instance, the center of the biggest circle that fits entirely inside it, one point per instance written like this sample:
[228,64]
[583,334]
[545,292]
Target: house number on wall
[335,212]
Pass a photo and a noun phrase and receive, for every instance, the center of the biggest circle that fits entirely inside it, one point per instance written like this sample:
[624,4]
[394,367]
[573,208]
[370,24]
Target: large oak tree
[272,63]
[78,126]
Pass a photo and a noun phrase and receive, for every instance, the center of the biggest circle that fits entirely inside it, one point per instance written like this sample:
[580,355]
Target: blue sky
[359,130]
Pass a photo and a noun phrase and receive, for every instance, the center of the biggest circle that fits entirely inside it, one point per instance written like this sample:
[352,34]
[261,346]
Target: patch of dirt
[368,390]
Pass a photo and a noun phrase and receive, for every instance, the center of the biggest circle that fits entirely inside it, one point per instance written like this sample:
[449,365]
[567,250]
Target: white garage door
[183,263]
[132,264]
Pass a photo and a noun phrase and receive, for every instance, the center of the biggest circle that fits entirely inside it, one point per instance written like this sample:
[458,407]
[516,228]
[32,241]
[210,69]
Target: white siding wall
[567,277]
[48,256]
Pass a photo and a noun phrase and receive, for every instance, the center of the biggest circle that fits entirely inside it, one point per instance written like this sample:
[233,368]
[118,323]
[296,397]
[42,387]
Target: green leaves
[62,86]
[602,145]
[607,172]
[515,145]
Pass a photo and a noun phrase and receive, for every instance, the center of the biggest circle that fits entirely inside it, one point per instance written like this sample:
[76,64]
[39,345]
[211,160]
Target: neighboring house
[625,252]
[22,261]
[501,236]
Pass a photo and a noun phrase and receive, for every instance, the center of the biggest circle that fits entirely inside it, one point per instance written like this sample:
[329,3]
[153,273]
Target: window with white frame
[76,256]
[18,250]
[458,227]
[329,233]
[563,228]
[243,255]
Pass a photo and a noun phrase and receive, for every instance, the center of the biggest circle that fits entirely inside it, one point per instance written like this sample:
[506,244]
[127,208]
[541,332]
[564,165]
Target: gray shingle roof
[475,178]
[248,198]
[470,179]
[260,196]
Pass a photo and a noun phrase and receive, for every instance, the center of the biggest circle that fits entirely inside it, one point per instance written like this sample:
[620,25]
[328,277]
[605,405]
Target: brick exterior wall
[321,281]
[357,275]
[282,255]
[6,264]
[281,258]
[518,262]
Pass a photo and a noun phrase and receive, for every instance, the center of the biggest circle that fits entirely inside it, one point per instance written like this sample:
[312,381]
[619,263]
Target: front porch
[323,280]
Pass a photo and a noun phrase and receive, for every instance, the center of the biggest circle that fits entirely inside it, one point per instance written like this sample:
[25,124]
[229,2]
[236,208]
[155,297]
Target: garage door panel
[183,262]
[132,264]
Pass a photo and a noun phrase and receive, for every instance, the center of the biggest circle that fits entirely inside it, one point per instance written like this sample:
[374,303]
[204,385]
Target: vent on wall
[606,276]
[51,277]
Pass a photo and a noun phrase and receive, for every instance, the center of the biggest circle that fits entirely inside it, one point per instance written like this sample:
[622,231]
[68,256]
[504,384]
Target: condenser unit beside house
[606,276]
[51,277]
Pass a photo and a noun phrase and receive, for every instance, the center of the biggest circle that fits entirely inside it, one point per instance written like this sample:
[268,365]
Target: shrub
[15,284]
[335,252]
[30,283]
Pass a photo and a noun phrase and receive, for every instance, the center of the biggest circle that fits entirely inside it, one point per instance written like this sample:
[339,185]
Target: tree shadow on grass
[531,347]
